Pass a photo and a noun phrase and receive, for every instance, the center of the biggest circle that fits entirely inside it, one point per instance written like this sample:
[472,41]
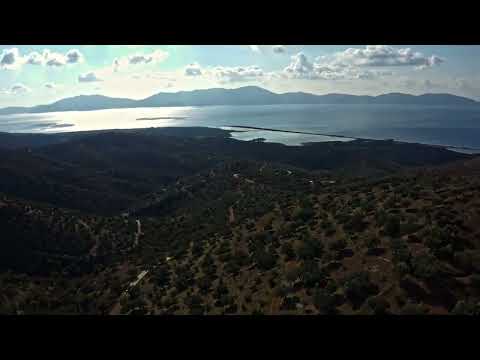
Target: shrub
[197,310]
[445,252]
[381,217]
[402,268]
[220,290]
[232,267]
[258,312]
[392,226]
[436,239]
[194,300]
[378,305]
[204,284]
[338,244]
[372,242]
[224,300]
[292,274]
[331,286]
[232,309]
[413,309]
[282,291]
[225,257]
[358,287]
[463,260]
[356,222]
[181,284]
[197,248]
[475,281]
[465,308]
[265,260]
[162,278]
[324,301]
[410,228]
[240,257]
[309,249]
[426,266]
[400,251]
[290,302]
[312,275]
[288,251]
[305,214]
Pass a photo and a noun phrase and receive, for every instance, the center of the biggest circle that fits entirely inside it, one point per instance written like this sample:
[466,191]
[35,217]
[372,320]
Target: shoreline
[231,129]
[453,147]
[162,118]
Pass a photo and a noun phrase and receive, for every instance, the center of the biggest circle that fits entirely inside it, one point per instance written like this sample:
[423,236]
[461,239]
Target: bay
[454,126]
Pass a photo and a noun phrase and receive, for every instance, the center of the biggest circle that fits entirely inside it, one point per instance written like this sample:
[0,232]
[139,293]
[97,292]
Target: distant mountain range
[247,95]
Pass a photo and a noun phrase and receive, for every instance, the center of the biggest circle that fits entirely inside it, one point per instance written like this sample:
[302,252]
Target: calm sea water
[455,126]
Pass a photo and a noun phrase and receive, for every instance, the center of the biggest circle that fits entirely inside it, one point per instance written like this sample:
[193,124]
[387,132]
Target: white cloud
[462,83]
[50,58]
[161,76]
[34,58]
[116,65]
[88,77]
[384,55]
[138,59]
[301,67]
[19,89]
[224,74]
[156,56]
[193,70]
[357,63]
[10,59]
[237,74]
[74,56]
[279,49]
[468,87]
[429,84]
[121,64]
[409,83]
[54,59]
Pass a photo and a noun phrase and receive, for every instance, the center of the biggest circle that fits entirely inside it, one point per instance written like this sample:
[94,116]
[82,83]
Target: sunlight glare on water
[92,120]
[453,126]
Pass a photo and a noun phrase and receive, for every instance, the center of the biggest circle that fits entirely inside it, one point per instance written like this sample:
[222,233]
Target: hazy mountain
[247,95]
[425,99]
[77,103]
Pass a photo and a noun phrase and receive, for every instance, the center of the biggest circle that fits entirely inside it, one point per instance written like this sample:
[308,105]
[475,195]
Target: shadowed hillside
[201,224]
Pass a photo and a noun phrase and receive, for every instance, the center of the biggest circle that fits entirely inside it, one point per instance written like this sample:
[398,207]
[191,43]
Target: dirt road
[138,233]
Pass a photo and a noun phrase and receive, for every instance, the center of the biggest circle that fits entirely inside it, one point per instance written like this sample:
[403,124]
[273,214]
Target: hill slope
[255,238]
[106,172]
[210,225]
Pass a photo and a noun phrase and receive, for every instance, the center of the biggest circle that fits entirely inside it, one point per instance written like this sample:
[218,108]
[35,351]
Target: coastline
[229,130]
[352,138]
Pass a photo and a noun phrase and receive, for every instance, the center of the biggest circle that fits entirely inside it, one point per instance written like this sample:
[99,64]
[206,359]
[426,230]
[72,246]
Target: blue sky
[31,75]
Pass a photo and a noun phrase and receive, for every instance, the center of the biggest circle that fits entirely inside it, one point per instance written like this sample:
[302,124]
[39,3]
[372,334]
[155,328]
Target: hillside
[149,223]
[105,172]
[252,238]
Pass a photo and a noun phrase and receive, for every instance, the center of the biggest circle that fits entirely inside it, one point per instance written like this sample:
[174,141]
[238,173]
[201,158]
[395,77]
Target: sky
[33,75]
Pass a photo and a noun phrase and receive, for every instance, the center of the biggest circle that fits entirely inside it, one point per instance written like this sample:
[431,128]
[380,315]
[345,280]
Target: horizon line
[242,87]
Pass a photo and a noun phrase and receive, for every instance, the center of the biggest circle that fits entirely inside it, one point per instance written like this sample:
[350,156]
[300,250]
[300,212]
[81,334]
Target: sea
[440,125]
